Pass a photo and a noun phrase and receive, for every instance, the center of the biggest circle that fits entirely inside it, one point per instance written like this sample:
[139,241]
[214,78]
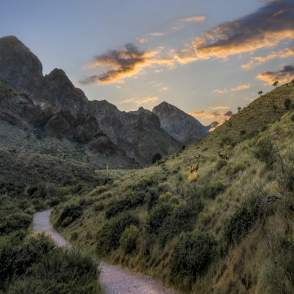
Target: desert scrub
[192,255]
[108,236]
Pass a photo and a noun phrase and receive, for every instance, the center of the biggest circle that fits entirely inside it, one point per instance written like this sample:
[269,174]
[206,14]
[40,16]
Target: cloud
[218,114]
[284,75]
[238,88]
[135,102]
[195,18]
[124,63]
[265,28]
[241,87]
[258,60]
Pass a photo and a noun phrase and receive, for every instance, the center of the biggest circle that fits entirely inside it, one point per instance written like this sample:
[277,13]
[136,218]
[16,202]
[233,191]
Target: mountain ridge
[62,109]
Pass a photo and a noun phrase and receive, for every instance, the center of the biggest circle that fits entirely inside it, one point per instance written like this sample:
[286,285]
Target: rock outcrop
[178,124]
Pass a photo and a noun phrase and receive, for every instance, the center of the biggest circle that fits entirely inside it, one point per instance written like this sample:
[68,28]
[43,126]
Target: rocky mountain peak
[178,124]
[18,65]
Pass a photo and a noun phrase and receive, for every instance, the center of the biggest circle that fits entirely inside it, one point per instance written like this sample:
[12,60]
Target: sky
[206,57]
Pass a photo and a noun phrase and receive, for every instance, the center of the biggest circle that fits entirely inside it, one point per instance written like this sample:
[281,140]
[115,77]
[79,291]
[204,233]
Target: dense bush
[157,217]
[265,151]
[285,170]
[242,221]
[17,258]
[109,235]
[211,190]
[288,104]
[129,202]
[180,220]
[192,255]
[69,214]
[15,221]
[36,266]
[129,239]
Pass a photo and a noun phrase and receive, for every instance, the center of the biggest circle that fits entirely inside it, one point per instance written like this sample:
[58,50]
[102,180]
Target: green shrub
[69,214]
[285,170]
[129,238]
[242,221]
[211,190]
[59,272]
[288,104]
[157,217]
[192,255]
[220,164]
[15,221]
[16,259]
[109,235]
[180,220]
[129,202]
[265,151]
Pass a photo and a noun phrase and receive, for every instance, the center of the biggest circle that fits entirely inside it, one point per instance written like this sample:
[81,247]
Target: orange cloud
[125,63]
[283,76]
[257,60]
[218,114]
[135,102]
[238,88]
[265,28]
[195,18]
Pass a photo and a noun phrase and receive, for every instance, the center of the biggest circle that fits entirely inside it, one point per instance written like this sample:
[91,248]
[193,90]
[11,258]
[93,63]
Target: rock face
[178,124]
[50,113]
[18,65]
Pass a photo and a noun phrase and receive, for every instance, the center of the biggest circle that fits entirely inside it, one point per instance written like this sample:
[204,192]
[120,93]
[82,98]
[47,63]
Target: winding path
[113,279]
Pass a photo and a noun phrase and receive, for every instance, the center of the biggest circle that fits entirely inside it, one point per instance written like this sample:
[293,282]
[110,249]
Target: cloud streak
[284,75]
[258,60]
[238,88]
[265,28]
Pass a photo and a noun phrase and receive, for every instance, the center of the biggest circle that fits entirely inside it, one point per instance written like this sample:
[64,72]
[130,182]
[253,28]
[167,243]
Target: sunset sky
[204,56]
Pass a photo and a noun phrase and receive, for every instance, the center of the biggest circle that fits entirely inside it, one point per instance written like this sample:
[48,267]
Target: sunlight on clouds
[262,29]
[218,114]
[135,102]
[238,88]
[282,76]
[258,60]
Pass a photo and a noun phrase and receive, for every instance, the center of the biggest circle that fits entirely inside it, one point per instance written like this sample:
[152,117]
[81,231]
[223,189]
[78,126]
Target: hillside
[223,228]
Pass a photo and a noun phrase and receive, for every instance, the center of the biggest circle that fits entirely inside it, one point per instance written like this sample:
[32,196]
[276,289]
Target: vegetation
[32,263]
[205,232]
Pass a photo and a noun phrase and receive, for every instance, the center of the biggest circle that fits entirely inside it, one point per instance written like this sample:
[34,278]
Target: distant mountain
[48,112]
[178,124]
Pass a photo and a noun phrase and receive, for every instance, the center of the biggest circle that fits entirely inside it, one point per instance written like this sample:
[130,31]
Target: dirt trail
[114,279]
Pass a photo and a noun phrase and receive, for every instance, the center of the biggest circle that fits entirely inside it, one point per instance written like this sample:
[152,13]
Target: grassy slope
[259,259]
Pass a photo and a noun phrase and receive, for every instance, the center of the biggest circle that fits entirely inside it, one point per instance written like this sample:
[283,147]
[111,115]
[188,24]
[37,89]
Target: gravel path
[114,279]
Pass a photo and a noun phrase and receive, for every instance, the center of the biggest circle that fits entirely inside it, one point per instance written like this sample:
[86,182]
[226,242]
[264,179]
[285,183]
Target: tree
[275,84]
[260,93]
[288,104]
[239,108]
[157,157]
